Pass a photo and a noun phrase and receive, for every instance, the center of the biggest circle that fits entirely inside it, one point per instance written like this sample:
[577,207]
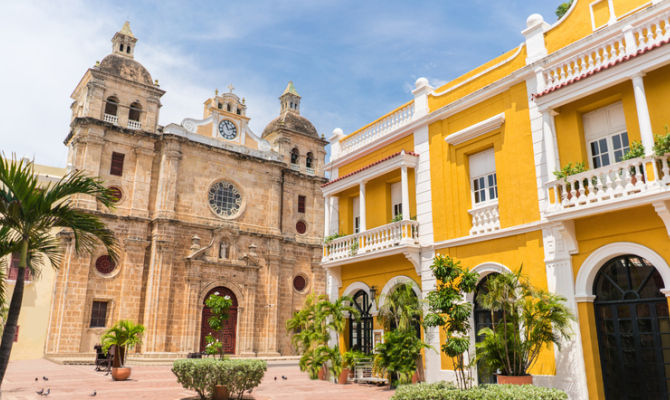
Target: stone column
[158,294]
[132,265]
[405,192]
[142,182]
[167,180]
[646,134]
[248,338]
[190,338]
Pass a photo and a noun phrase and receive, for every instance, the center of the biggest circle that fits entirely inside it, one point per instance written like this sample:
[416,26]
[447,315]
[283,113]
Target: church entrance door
[228,335]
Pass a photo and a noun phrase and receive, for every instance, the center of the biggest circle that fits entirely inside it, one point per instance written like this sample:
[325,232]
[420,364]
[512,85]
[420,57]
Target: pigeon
[47,392]
[93,394]
[275,378]
[40,392]
[45,378]
[36,379]
[284,377]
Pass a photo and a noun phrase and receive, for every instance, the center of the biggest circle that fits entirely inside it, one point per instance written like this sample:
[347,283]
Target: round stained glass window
[225,199]
[301,227]
[299,283]
[116,193]
[105,264]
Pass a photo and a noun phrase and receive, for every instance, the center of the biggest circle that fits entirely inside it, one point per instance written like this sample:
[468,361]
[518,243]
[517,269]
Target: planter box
[515,380]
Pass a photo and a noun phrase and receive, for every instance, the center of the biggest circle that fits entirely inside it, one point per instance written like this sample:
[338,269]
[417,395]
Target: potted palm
[124,335]
[219,306]
[349,359]
[529,319]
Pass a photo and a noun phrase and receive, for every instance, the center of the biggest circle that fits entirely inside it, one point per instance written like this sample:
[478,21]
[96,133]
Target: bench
[363,373]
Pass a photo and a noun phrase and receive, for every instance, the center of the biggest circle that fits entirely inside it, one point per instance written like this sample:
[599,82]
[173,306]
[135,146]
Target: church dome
[292,122]
[126,68]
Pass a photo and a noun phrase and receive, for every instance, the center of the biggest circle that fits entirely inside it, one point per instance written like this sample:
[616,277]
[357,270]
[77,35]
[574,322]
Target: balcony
[625,184]
[112,119]
[134,124]
[396,237]
[485,219]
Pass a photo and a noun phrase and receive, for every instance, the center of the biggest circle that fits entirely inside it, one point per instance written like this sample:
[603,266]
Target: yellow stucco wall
[512,252]
[450,180]
[406,143]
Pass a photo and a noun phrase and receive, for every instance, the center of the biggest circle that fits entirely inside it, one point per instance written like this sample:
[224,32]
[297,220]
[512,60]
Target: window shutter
[301,204]
[482,163]
[117,164]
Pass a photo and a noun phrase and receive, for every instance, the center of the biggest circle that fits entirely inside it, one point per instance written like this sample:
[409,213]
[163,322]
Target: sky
[351,61]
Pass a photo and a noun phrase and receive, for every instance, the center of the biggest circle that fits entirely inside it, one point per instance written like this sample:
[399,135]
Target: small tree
[124,335]
[449,310]
[219,307]
[563,8]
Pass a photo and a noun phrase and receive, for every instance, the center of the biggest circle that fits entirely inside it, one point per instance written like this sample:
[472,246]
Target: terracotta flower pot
[415,378]
[323,373]
[120,374]
[515,380]
[220,392]
[344,376]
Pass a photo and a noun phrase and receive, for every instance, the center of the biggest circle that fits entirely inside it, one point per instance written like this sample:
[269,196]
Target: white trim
[409,251]
[489,267]
[355,287]
[393,163]
[477,129]
[513,230]
[394,282]
[590,267]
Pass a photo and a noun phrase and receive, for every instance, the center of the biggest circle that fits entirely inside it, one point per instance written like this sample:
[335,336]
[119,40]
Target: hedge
[447,391]
[201,375]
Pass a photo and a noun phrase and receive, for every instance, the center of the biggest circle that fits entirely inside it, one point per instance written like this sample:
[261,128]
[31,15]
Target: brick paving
[74,382]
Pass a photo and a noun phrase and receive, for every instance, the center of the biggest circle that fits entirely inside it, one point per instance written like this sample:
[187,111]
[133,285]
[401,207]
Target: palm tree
[402,309]
[124,335]
[29,218]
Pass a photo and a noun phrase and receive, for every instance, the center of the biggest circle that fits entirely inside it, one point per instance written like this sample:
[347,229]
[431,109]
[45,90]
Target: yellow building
[474,161]
[29,342]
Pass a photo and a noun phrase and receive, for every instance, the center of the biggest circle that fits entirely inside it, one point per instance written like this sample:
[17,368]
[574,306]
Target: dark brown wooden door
[228,336]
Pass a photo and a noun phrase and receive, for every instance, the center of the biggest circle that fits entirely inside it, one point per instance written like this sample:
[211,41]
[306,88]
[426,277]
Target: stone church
[204,206]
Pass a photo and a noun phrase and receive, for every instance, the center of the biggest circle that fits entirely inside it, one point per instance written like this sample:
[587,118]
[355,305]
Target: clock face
[227,129]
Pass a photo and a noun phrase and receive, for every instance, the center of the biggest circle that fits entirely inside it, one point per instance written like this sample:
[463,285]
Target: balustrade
[112,119]
[485,219]
[134,124]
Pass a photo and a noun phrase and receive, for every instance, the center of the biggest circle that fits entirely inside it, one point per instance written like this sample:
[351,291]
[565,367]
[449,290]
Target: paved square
[74,382]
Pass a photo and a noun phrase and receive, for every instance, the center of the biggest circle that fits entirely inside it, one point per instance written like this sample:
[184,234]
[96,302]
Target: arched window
[484,318]
[128,49]
[360,332]
[121,47]
[228,107]
[134,113]
[309,160]
[224,250]
[111,106]
[295,154]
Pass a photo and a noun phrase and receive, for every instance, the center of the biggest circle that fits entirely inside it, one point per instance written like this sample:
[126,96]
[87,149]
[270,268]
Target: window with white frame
[483,179]
[357,214]
[396,200]
[606,135]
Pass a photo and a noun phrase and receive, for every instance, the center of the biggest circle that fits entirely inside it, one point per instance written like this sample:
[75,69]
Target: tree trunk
[13,314]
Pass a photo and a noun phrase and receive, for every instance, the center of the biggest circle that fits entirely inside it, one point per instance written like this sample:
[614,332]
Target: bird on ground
[40,392]
[275,378]
[284,377]
[36,379]
[45,394]
[45,378]
[93,394]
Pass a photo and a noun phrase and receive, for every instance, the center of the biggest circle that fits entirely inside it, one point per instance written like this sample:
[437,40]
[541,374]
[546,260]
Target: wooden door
[229,333]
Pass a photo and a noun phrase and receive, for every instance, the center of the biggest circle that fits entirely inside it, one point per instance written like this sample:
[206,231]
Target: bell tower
[290,99]
[123,42]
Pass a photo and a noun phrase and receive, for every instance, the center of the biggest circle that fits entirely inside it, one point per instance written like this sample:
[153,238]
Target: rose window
[225,199]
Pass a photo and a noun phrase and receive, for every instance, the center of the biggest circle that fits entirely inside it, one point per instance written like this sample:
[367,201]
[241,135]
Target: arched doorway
[228,335]
[633,329]
[483,319]
[360,332]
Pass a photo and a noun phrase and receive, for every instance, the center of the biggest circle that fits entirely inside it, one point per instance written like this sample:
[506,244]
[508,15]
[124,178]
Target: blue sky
[351,61]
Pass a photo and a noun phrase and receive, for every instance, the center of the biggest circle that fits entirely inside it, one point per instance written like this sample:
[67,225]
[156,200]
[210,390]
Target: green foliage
[219,307]
[398,355]
[530,320]
[401,309]
[449,311]
[201,375]
[351,357]
[570,170]
[396,218]
[447,391]
[662,143]
[331,237]
[636,150]
[562,9]
[124,335]
[354,247]
[311,328]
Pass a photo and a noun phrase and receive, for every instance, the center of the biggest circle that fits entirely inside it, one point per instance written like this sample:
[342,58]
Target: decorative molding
[477,129]
[585,299]
[663,210]
[395,281]
[510,231]
[413,255]
[567,230]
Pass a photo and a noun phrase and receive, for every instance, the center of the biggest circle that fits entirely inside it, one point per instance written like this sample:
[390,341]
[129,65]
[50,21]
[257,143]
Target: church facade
[204,206]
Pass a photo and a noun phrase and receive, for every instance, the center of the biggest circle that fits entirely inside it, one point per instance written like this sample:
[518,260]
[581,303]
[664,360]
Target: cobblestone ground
[74,382]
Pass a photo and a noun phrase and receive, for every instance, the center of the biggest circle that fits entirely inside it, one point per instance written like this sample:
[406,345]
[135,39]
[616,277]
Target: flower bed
[446,391]
[202,374]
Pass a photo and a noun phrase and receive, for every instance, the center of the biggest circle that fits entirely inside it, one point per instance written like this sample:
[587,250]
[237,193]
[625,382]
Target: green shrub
[202,374]
[636,150]
[662,143]
[447,391]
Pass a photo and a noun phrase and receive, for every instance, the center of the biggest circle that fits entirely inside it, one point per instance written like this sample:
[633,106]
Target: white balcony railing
[376,239]
[485,219]
[391,121]
[640,36]
[112,119]
[615,183]
[309,171]
[295,167]
[134,124]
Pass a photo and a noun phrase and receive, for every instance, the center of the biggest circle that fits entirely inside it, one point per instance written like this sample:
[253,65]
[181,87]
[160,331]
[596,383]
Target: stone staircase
[156,359]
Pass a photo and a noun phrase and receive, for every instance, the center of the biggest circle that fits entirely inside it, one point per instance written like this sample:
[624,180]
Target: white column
[643,114]
[405,193]
[361,208]
[550,143]
[326,216]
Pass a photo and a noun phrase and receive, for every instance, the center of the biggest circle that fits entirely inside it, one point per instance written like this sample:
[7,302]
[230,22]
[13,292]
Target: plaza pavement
[74,382]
